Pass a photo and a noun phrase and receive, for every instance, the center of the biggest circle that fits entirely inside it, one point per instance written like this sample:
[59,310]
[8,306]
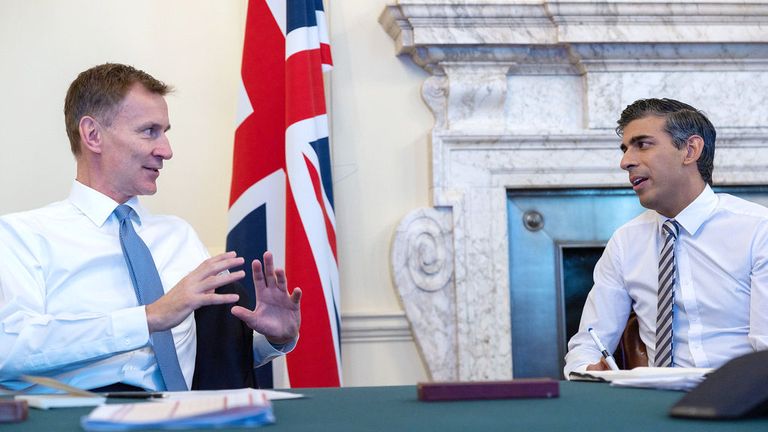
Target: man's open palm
[277,315]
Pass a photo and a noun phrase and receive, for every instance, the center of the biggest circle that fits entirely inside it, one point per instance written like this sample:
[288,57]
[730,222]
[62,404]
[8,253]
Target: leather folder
[519,388]
[13,411]
[736,389]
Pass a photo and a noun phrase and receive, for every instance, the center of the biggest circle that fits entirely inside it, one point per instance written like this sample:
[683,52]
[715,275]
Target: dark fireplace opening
[576,264]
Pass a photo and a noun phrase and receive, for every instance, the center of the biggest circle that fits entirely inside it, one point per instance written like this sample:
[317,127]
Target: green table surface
[582,406]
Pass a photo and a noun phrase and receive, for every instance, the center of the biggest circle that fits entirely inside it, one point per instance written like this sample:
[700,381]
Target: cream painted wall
[379,130]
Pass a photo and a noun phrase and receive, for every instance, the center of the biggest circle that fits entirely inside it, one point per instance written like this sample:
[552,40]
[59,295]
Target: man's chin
[148,191]
[645,200]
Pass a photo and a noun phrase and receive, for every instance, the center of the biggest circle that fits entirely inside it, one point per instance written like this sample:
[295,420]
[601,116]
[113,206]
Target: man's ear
[90,134]
[694,145]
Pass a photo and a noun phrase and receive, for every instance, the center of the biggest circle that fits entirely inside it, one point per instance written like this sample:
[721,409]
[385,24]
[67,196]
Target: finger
[218,264]
[219,279]
[227,254]
[269,269]
[604,364]
[281,279]
[221,257]
[296,295]
[222,266]
[241,313]
[215,299]
[258,274]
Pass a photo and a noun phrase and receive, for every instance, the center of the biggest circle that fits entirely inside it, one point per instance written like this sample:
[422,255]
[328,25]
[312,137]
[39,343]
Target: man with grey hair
[98,292]
[693,267]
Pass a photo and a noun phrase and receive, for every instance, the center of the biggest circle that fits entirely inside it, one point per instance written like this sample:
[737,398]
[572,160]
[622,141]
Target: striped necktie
[665,310]
[148,287]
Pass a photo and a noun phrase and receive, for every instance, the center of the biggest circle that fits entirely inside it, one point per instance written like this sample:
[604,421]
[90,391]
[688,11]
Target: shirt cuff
[264,351]
[130,328]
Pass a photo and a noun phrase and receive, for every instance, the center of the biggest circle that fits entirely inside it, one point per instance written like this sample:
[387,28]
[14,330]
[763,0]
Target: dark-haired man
[694,267]
[98,292]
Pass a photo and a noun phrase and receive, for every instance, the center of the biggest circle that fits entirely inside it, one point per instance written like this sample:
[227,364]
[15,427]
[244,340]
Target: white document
[673,378]
[46,401]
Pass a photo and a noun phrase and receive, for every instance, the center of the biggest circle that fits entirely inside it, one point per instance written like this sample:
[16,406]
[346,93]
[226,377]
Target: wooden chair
[631,351]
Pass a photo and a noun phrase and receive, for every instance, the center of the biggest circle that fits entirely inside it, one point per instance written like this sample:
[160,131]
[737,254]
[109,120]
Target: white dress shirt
[721,288]
[68,309]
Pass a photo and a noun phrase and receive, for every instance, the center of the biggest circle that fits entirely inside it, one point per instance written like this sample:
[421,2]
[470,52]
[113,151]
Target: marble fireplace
[525,95]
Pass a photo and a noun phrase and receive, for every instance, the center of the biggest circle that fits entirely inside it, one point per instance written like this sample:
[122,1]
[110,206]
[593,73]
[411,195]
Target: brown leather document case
[13,411]
[519,388]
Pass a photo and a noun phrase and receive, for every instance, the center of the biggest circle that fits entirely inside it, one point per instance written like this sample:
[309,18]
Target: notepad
[240,408]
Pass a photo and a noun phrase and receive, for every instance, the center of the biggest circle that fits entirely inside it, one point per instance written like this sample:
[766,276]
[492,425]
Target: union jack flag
[281,197]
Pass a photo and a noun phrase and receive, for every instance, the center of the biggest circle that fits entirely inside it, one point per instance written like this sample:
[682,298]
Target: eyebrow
[635,139]
[152,125]
[639,138]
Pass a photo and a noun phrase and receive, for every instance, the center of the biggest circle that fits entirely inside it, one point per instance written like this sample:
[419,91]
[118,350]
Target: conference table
[582,406]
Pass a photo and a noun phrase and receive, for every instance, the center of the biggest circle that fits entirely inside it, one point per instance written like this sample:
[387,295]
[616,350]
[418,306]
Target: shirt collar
[693,216]
[99,207]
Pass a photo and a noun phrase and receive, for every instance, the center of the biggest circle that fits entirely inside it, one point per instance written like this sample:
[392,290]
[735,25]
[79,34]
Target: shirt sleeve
[758,304]
[264,352]
[33,341]
[606,311]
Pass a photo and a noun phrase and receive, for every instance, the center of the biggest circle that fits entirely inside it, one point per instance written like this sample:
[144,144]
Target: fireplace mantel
[525,94]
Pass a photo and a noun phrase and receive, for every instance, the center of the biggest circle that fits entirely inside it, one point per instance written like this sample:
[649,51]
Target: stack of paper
[241,408]
[674,378]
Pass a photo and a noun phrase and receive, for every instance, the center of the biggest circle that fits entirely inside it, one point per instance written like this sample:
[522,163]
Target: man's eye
[150,132]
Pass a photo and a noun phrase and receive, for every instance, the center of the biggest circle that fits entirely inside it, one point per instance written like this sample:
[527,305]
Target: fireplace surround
[525,95]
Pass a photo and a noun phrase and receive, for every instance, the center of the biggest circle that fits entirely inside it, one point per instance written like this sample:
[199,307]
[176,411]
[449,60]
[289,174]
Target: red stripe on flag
[325,54]
[304,87]
[313,362]
[317,186]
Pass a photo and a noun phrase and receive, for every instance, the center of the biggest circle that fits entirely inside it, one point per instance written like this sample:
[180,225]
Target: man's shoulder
[638,230]
[40,216]
[740,206]
[167,220]
[169,225]
[641,221]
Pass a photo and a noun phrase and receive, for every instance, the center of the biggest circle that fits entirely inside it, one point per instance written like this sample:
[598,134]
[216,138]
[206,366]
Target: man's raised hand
[277,315]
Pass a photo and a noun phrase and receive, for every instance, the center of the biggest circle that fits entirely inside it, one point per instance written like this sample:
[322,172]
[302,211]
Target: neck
[686,196]
[90,177]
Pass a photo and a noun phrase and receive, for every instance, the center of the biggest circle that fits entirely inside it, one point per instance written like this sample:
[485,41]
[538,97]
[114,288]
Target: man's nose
[627,160]
[163,149]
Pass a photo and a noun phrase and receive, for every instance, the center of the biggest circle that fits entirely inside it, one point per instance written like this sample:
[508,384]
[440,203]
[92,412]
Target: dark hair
[682,121]
[99,91]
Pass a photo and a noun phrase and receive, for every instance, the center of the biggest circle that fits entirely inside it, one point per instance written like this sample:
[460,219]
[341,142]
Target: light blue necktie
[148,287]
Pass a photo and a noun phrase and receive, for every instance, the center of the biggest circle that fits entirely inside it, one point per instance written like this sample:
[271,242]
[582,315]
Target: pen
[606,355]
[134,395]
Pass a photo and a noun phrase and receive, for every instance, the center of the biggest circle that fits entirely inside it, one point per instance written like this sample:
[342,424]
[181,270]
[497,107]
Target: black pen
[134,395]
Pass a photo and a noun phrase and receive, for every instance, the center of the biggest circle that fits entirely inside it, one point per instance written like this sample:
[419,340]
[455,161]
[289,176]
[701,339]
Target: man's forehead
[649,121]
[140,103]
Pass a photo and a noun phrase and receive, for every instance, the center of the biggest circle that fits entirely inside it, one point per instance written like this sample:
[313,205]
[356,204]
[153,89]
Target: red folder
[13,411]
[519,388]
